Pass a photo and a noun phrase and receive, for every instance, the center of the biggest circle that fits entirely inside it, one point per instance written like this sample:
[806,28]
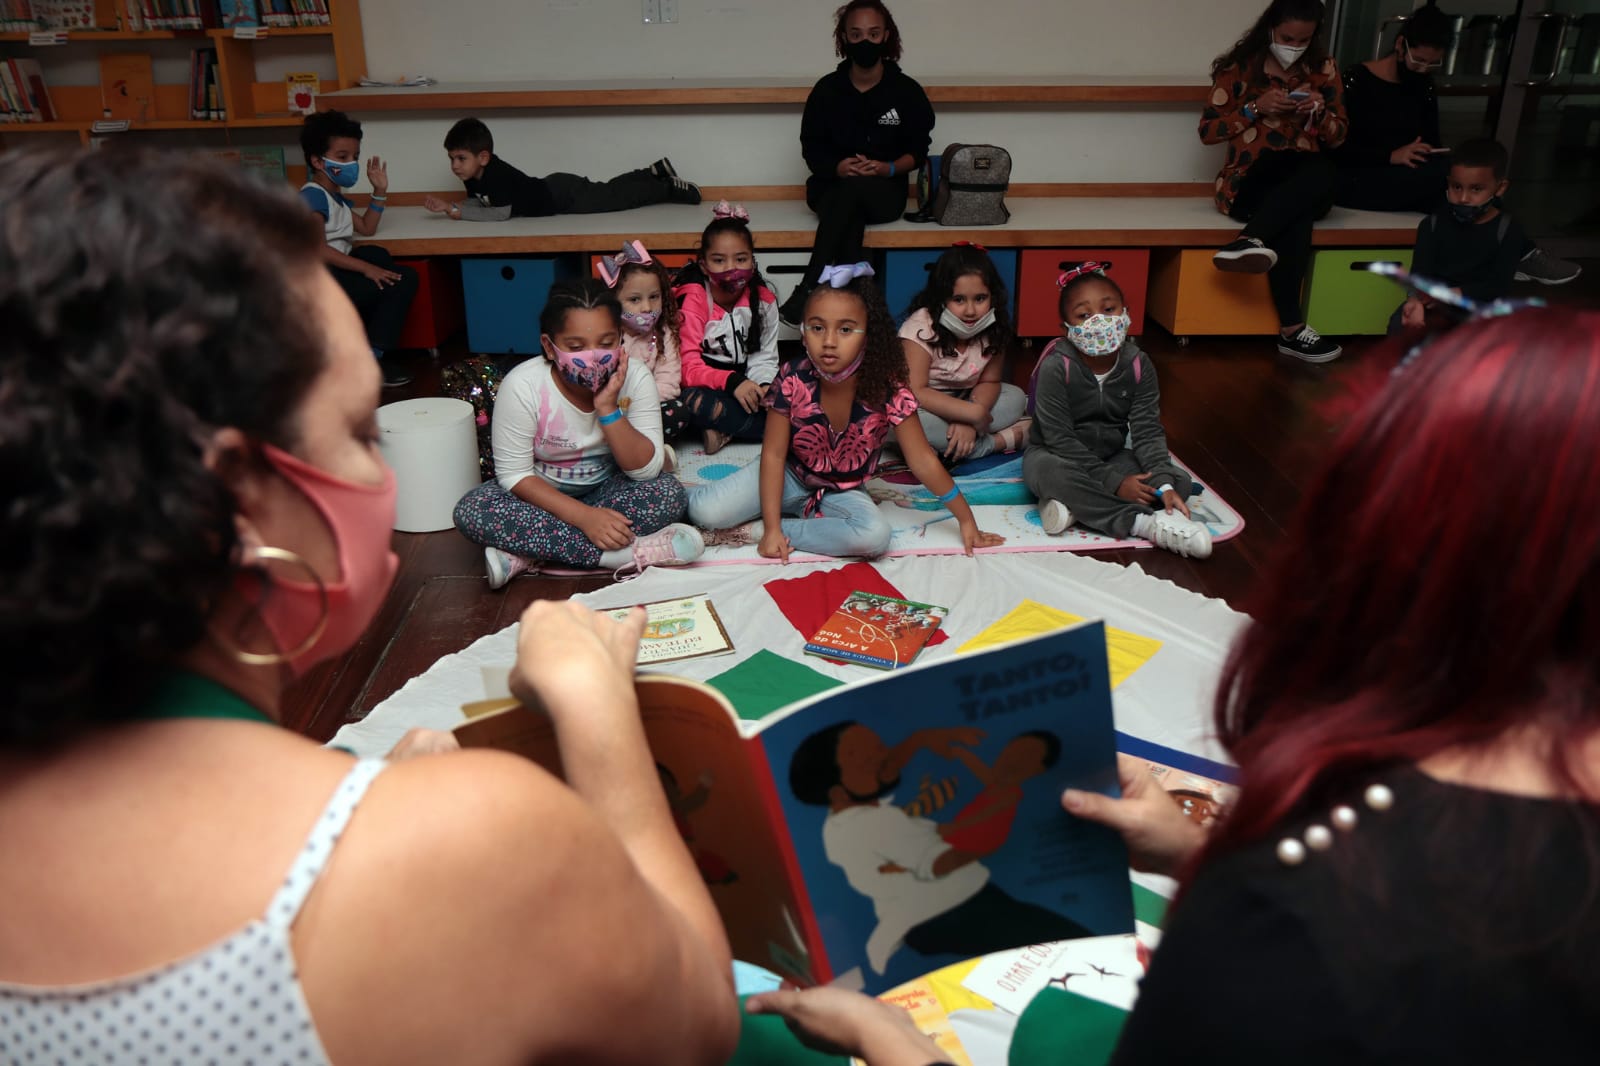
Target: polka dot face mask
[1100,334]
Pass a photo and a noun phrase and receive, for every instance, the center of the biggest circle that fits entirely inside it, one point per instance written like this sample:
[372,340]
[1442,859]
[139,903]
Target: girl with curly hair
[650,321]
[955,341]
[828,416]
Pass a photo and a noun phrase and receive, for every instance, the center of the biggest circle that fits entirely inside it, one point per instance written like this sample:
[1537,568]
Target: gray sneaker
[1539,265]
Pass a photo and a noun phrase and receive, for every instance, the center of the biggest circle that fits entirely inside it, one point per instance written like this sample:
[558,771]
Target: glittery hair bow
[1459,307]
[610,266]
[726,210]
[844,274]
[1078,271]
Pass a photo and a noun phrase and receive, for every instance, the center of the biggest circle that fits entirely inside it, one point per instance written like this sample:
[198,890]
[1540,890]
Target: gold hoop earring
[278,658]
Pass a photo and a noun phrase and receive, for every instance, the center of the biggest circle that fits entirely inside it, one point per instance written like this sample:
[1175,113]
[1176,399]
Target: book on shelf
[24,97]
[877,631]
[205,90]
[301,91]
[235,13]
[71,15]
[292,13]
[881,830]
[686,627]
[127,86]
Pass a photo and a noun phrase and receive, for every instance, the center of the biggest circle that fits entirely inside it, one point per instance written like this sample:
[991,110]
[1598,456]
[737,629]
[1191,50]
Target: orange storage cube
[1191,297]
[1037,291]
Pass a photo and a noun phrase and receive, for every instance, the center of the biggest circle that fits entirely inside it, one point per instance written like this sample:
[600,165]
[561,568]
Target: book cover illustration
[302,92]
[684,628]
[842,842]
[878,631]
[238,13]
[127,86]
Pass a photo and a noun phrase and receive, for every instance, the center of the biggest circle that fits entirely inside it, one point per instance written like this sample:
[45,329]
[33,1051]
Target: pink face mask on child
[360,518]
[640,322]
[588,369]
[731,280]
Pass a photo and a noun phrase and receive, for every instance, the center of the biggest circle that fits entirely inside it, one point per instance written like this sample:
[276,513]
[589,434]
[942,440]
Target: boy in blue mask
[1469,242]
[381,290]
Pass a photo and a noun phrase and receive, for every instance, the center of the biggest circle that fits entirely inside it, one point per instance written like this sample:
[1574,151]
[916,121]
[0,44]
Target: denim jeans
[845,523]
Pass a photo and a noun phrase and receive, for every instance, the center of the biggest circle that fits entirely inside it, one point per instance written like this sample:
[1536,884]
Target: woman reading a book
[197,515]
[1409,872]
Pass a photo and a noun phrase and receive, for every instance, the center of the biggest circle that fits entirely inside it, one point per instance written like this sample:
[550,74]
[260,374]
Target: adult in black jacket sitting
[866,126]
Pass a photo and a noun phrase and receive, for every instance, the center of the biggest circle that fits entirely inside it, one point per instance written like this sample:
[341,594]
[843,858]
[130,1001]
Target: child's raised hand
[774,545]
[748,393]
[1135,488]
[973,537]
[609,397]
[1173,502]
[378,175]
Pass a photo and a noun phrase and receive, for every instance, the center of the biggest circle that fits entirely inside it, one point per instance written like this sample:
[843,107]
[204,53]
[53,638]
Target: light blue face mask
[344,175]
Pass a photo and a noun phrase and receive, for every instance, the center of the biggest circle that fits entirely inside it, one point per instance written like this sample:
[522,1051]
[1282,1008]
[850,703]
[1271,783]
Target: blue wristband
[955,490]
[375,206]
[606,420]
[891,168]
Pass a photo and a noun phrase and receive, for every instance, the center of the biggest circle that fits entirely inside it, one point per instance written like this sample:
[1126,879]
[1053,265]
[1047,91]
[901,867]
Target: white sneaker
[1178,534]
[675,545]
[669,459]
[1054,517]
[502,566]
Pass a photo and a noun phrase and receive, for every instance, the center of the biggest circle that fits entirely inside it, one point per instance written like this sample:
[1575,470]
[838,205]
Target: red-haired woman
[1411,871]
[866,126]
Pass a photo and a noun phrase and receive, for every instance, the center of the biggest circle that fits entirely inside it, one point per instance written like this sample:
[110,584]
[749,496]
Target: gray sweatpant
[1050,477]
[1012,405]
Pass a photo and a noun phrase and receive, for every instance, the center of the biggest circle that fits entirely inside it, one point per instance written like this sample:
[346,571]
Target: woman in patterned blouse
[1277,103]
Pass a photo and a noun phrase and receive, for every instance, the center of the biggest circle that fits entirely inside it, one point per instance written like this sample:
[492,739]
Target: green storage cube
[1345,299]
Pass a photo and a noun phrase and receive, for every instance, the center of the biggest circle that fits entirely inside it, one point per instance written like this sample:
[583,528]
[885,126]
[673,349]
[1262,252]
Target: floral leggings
[495,518]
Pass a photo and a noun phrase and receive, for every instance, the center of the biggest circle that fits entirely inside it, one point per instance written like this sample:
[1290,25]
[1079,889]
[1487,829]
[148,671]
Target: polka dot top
[236,1002]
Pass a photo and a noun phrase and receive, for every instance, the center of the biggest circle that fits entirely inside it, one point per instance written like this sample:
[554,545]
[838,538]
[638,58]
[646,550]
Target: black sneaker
[663,168]
[794,308]
[393,376]
[1539,265]
[1247,255]
[1309,346]
[680,191]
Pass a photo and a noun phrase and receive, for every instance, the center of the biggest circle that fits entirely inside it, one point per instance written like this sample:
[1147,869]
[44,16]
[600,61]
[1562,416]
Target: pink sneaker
[676,545]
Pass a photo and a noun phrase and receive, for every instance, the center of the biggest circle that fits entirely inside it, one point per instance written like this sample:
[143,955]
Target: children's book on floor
[687,627]
[885,829]
[878,631]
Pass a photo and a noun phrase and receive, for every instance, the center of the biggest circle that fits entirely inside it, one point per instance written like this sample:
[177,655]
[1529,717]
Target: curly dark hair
[145,301]
[578,294]
[1250,51]
[319,130]
[883,367]
[891,31]
[671,316]
[951,267]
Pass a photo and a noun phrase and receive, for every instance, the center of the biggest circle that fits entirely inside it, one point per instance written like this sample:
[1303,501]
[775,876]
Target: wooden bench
[1036,222]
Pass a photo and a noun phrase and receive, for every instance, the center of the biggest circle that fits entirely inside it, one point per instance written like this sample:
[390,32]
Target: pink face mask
[840,375]
[734,281]
[360,518]
[588,369]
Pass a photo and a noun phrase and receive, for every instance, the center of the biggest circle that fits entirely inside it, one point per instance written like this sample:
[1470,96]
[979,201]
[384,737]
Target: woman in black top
[866,126]
[1411,871]
[1391,158]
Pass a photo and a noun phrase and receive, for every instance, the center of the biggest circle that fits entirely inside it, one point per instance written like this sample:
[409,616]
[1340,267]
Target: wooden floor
[1249,422]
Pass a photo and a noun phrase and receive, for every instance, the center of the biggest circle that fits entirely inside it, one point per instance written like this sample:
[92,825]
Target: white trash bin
[432,444]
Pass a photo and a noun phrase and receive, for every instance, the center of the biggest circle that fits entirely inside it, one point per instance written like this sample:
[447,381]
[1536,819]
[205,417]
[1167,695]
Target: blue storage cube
[906,273]
[504,298]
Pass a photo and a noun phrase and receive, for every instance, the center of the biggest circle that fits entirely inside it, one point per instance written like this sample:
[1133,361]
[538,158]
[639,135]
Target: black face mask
[864,54]
[1473,212]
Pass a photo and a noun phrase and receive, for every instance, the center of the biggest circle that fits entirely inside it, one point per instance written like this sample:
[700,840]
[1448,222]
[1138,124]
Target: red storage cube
[1037,291]
[437,312]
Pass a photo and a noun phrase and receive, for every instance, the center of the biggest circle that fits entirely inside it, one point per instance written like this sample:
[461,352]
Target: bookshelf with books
[173,64]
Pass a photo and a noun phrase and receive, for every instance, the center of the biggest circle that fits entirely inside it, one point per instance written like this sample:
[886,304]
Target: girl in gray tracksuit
[1097,454]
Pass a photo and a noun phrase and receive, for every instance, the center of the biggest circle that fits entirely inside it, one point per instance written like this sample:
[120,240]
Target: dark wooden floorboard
[1252,424]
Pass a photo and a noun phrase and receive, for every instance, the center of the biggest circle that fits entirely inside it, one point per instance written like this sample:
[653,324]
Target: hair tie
[970,244]
[610,266]
[724,209]
[844,274]
[1079,271]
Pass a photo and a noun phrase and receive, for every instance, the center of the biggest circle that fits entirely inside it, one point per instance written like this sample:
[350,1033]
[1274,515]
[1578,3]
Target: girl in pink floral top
[828,417]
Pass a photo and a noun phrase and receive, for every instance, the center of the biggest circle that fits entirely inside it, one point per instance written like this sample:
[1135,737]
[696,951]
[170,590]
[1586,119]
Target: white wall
[482,40]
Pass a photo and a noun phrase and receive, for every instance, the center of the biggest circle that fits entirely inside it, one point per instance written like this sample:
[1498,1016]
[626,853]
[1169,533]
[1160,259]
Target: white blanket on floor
[1166,701]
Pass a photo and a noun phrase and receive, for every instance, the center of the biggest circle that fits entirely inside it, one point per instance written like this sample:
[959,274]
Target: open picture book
[884,829]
